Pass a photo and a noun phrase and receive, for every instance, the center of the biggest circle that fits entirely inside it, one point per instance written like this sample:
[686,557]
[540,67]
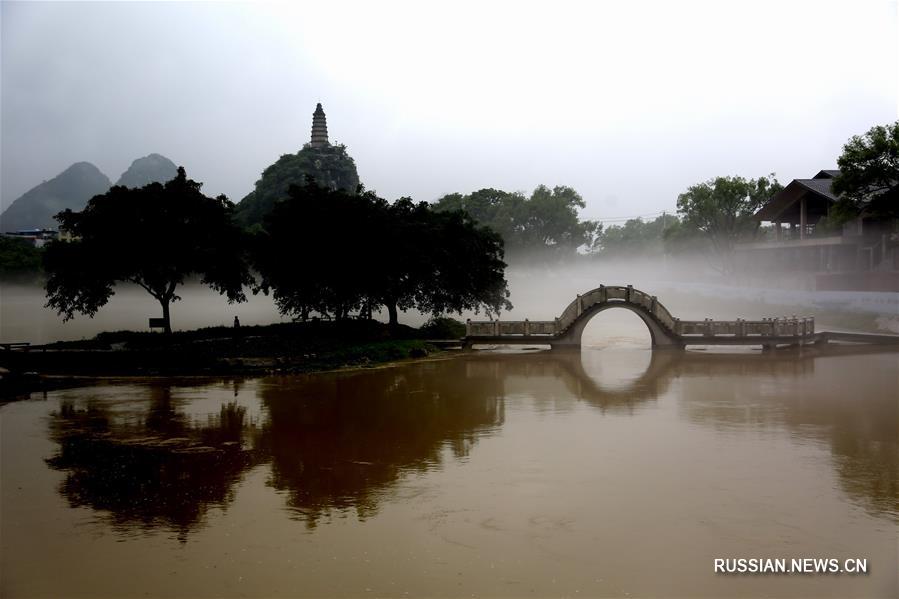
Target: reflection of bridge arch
[568,367]
[665,367]
[651,383]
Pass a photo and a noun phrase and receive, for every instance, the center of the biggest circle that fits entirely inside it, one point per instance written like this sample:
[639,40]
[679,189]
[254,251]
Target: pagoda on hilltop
[328,165]
[319,128]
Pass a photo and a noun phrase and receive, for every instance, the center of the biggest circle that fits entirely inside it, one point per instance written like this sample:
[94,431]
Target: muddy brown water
[613,471]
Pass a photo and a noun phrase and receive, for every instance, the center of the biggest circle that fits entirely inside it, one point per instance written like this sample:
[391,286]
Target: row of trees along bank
[711,216]
[321,251]
[544,225]
[335,252]
[714,215]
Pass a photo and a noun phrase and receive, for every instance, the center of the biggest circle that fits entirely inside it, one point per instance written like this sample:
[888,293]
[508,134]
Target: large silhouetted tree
[318,251]
[155,237]
[334,252]
[464,267]
[438,262]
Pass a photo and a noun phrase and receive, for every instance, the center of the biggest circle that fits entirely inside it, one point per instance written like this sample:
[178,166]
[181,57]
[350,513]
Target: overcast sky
[627,102]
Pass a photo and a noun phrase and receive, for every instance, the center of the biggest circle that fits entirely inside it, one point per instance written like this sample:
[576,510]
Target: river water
[613,471]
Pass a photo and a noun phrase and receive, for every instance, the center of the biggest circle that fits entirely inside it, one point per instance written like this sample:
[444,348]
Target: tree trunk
[165,315]
[391,310]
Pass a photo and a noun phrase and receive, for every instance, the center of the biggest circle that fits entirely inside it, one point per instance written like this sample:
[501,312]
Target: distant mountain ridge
[154,168]
[74,187]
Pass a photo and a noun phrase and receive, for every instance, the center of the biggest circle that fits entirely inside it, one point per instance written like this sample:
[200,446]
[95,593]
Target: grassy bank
[279,348]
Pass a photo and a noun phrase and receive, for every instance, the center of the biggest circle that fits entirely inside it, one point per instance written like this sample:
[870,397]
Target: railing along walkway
[665,330]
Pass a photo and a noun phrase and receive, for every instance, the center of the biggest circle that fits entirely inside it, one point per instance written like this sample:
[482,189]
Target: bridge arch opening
[616,327]
[616,347]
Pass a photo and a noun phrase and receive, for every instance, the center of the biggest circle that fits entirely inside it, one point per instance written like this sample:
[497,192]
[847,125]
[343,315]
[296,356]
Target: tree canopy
[546,223]
[869,172]
[723,209]
[18,257]
[330,166]
[154,236]
[634,238]
[333,252]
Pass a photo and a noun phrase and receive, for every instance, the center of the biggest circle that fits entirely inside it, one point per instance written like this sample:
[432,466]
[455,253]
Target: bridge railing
[664,316]
[590,299]
[497,328]
[767,327]
[543,327]
[571,313]
[616,293]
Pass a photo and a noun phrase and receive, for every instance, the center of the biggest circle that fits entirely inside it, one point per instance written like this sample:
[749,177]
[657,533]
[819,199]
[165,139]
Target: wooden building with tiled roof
[860,255]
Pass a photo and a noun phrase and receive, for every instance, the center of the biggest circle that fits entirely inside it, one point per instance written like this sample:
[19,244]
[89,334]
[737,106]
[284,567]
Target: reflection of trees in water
[158,471]
[340,441]
[335,441]
[845,397]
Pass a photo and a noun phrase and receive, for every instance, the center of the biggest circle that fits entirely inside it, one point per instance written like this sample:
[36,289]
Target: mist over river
[537,292]
[605,472]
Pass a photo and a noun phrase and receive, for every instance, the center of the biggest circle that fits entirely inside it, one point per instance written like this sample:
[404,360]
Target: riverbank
[287,348]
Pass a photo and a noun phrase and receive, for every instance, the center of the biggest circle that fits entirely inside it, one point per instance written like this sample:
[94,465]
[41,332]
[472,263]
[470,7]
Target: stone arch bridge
[665,330]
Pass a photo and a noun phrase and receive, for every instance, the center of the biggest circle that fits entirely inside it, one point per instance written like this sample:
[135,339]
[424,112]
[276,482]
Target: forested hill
[331,167]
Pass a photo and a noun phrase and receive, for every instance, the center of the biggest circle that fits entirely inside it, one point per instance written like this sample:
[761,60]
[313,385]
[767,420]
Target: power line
[626,218]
